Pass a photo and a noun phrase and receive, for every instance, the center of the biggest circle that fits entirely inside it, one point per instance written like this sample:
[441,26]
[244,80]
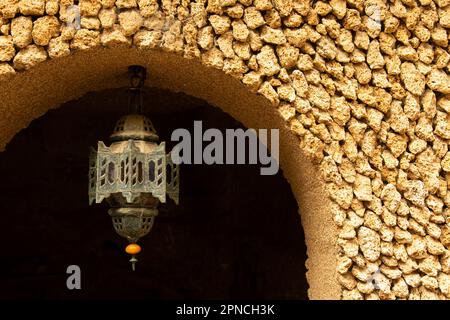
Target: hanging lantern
[134,174]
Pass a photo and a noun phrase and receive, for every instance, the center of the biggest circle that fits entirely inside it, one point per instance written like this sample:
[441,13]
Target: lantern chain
[138,74]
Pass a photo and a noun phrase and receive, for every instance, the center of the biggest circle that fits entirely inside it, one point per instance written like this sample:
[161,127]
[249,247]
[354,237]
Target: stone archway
[32,93]
[360,88]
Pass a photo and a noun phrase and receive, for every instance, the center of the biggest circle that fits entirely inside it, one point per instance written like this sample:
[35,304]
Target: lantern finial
[133,249]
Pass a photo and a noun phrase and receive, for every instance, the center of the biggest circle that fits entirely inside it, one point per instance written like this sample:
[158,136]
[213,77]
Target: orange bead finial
[133,248]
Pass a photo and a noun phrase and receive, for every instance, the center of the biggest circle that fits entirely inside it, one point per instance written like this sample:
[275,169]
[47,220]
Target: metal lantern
[134,174]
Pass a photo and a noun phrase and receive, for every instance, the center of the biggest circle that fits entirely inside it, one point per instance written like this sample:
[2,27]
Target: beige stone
[44,29]
[442,128]
[32,7]
[90,23]
[434,246]
[7,50]
[236,11]
[397,144]
[58,48]
[444,284]
[85,39]
[374,57]
[364,86]
[6,71]
[418,248]
[416,192]
[29,57]
[52,7]
[363,189]
[198,13]
[288,55]
[145,39]
[90,8]
[240,30]
[114,37]
[414,81]
[108,18]
[268,61]
[439,81]
[131,21]
[126,4]
[253,18]
[269,92]
[296,37]
[319,97]
[148,7]
[273,36]
[21,28]
[369,242]
[9,8]
[430,265]
[391,197]
[220,24]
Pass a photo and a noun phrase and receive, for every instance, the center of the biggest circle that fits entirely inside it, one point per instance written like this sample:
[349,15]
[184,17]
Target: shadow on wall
[235,234]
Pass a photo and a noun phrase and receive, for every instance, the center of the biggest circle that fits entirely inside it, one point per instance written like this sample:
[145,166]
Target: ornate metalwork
[133,223]
[130,172]
[134,173]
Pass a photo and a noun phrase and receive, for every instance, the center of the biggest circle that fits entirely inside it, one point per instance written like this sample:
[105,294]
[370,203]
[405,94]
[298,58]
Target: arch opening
[94,70]
[228,238]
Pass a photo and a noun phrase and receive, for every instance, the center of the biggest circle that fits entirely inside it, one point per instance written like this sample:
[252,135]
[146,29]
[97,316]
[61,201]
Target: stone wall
[364,84]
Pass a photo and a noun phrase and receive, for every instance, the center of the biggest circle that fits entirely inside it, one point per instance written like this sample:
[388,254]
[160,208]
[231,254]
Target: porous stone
[145,39]
[7,50]
[90,8]
[32,7]
[29,57]
[131,21]
[21,28]
[114,38]
[9,8]
[363,85]
[439,81]
[415,192]
[107,17]
[220,24]
[44,29]
[85,39]
[6,71]
[363,188]
[267,61]
[58,48]
[414,81]
[369,242]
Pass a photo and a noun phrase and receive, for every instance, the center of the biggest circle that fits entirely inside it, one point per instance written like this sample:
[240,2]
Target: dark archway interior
[236,234]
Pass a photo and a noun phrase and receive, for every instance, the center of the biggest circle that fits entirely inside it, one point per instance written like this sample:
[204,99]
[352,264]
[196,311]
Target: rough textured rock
[145,39]
[85,39]
[6,71]
[365,87]
[21,28]
[32,7]
[369,242]
[131,21]
[44,29]
[29,57]
[7,50]
[363,188]
[58,48]
[114,37]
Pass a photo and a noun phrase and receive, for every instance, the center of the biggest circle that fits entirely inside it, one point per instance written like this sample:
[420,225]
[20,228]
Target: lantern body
[133,175]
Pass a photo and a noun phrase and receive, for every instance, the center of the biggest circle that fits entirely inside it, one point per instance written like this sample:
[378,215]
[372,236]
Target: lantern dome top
[135,127]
